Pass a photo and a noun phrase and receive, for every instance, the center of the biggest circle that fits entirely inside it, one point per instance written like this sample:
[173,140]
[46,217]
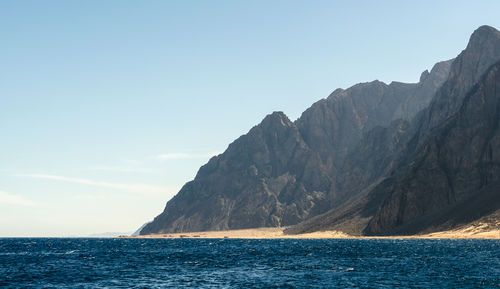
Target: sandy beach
[476,231]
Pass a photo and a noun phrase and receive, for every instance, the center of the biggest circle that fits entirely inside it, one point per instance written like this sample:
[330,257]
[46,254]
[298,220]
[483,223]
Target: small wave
[15,253]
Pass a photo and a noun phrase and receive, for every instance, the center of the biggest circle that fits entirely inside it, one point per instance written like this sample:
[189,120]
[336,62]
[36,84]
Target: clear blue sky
[108,107]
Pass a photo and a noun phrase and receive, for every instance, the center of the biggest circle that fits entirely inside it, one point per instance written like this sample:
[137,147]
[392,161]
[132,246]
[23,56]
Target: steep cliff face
[282,173]
[481,52]
[371,159]
[432,161]
[405,184]
[358,183]
[268,177]
[426,88]
[334,125]
[458,166]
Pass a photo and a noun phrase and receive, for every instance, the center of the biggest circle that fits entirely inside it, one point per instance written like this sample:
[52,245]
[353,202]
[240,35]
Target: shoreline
[471,232]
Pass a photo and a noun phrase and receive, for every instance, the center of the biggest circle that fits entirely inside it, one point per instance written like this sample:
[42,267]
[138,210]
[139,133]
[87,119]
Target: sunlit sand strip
[472,232]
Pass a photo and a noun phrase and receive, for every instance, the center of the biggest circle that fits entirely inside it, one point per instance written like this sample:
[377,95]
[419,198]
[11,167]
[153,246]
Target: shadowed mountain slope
[268,177]
[417,186]
[455,174]
[371,159]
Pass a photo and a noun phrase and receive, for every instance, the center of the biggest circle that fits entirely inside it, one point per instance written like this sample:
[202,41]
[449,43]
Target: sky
[108,107]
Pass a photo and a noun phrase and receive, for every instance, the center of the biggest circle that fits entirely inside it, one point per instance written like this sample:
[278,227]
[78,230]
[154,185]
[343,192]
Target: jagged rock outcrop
[422,96]
[457,166]
[481,52]
[371,159]
[268,177]
[282,173]
[426,165]
[434,159]
[334,125]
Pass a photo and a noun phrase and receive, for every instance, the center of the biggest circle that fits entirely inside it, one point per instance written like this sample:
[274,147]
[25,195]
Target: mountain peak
[484,30]
[481,52]
[424,75]
[360,160]
[483,34]
[276,118]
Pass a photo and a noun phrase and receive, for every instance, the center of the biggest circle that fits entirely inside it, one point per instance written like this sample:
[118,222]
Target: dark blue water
[155,263]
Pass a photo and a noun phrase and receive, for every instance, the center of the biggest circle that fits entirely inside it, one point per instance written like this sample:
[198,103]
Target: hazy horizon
[108,108]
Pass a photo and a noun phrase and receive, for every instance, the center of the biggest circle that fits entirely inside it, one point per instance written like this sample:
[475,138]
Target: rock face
[371,159]
[268,177]
[334,125]
[451,152]
[431,174]
[457,165]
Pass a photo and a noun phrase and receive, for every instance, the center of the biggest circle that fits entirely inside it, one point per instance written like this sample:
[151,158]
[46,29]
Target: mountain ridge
[418,133]
[336,166]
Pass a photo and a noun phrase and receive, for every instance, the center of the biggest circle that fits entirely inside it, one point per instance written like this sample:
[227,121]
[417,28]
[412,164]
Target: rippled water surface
[157,263]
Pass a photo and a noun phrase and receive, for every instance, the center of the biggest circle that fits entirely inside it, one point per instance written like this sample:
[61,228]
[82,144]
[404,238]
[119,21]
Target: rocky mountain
[334,125]
[375,158]
[268,177]
[444,166]
[455,174]
[428,161]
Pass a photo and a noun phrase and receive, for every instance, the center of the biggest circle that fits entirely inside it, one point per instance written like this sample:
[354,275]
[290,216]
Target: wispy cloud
[138,188]
[12,199]
[179,156]
[122,169]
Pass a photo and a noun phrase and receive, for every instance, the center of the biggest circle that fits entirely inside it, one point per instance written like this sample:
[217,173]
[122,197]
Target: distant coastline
[468,232]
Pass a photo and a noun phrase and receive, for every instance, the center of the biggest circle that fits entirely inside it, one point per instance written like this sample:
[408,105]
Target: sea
[242,263]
